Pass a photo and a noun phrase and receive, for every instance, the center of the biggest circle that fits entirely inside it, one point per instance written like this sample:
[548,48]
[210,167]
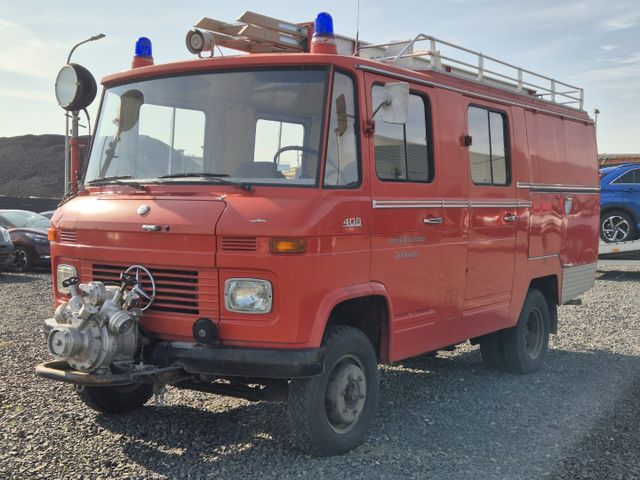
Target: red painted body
[442,283]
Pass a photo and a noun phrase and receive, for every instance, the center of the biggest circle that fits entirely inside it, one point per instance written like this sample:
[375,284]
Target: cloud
[23,52]
[36,95]
[613,82]
[634,58]
[608,48]
[621,22]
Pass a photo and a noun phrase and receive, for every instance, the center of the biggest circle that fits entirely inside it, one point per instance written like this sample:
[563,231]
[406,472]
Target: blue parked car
[620,202]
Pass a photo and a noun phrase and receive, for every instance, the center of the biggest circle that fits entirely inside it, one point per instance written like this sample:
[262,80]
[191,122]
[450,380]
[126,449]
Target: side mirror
[395,106]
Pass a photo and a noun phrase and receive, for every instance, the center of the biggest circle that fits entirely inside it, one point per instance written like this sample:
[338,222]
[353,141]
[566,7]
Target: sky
[593,44]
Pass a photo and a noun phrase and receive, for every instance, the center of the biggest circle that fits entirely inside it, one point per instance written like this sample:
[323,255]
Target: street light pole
[67,168]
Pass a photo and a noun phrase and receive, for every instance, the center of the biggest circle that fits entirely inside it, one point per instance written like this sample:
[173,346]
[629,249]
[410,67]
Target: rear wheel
[23,260]
[330,414]
[617,226]
[122,398]
[526,344]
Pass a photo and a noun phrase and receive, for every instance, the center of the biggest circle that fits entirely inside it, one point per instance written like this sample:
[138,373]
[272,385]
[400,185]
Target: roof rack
[256,33]
[473,65]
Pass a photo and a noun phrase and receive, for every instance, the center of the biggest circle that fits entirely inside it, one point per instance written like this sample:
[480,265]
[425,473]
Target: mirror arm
[383,104]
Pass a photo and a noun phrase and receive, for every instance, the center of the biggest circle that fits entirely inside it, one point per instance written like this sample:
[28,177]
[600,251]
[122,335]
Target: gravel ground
[444,417]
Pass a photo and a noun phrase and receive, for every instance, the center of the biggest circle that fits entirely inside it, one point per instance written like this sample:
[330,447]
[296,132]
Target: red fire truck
[274,225]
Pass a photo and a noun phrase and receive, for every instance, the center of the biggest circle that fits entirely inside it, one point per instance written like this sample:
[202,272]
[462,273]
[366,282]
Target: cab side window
[403,151]
[488,151]
[342,166]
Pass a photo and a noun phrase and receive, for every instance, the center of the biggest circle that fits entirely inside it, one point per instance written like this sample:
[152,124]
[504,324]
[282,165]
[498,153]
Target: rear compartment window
[402,151]
[488,151]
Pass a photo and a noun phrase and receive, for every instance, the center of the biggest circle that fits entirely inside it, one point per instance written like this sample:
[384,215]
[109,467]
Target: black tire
[115,399]
[492,351]
[316,426]
[617,226]
[23,259]
[526,344]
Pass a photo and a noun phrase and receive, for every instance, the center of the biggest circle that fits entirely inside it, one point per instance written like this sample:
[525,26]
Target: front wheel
[118,399]
[331,413]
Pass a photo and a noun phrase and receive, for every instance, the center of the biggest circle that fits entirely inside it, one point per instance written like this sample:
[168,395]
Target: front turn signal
[288,245]
[51,234]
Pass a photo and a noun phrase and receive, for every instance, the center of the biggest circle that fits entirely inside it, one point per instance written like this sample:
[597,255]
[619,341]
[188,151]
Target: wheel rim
[346,394]
[535,334]
[21,260]
[615,228]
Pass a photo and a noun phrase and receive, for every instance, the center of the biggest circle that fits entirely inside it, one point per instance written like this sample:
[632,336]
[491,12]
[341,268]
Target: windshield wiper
[116,179]
[194,174]
[216,177]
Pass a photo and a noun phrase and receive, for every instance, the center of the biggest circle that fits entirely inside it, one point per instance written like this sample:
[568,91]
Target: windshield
[23,219]
[259,127]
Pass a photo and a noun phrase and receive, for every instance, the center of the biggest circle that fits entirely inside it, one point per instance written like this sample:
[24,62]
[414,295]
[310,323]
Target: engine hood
[155,229]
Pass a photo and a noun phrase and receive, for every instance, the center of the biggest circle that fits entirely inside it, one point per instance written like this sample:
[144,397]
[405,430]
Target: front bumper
[60,371]
[174,362]
[240,362]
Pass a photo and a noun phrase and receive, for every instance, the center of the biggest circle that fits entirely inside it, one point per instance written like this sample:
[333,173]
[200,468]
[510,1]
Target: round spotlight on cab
[199,41]
[75,87]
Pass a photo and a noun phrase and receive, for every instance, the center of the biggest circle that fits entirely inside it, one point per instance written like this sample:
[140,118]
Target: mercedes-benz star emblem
[143,209]
[143,280]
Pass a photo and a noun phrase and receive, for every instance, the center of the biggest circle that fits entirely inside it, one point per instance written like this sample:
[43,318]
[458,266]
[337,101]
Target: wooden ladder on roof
[255,33]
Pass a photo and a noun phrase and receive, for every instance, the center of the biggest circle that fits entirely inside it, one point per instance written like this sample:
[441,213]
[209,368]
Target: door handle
[433,220]
[510,217]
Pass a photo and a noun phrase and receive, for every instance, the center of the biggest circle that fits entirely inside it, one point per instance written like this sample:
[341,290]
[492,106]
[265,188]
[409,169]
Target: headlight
[4,235]
[37,238]
[63,273]
[247,295]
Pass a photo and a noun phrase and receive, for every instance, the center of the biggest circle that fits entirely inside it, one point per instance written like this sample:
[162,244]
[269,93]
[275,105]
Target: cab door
[407,218]
[493,218]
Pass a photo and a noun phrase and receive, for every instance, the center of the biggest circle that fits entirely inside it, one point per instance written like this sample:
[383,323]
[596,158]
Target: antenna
[356,45]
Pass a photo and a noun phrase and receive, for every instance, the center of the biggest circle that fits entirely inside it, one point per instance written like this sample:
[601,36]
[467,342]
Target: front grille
[177,291]
[4,253]
[67,235]
[239,243]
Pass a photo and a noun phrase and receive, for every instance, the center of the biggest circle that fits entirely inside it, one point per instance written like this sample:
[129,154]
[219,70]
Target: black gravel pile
[444,417]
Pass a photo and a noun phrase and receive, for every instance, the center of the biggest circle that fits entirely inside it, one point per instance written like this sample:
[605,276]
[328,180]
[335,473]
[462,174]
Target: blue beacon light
[143,47]
[323,40]
[323,24]
[142,56]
